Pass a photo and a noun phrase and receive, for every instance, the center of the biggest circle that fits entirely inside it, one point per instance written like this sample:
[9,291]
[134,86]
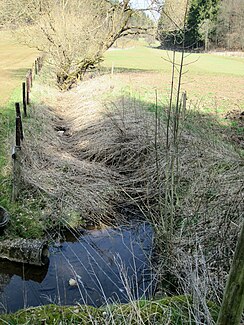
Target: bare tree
[74,33]
[230,25]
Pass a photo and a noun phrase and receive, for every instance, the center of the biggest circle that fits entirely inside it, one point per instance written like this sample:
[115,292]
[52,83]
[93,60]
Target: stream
[96,267]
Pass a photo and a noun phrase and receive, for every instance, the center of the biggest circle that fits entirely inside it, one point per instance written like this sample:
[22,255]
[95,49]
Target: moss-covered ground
[176,310]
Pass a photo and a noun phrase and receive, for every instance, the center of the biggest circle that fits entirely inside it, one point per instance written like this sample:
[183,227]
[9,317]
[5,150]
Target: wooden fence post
[19,126]
[16,170]
[15,156]
[27,89]
[18,133]
[24,98]
[36,68]
[38,64]
[31,77]
[233,300]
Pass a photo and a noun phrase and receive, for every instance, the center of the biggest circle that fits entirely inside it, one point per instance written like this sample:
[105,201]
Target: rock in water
[72,282]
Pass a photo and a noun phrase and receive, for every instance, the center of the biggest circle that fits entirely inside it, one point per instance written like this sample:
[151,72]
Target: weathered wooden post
[184,99]
[19,123]
[27,89]
[38,64]
[16,162]
[16,153]
[233,300]
[18,132]
[36,67]
[31,77]
[24,98]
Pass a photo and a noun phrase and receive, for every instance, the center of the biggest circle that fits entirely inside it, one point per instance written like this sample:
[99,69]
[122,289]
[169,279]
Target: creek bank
[108,265]
[176,310]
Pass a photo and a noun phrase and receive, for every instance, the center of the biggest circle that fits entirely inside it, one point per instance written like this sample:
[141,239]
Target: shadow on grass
[18,73]
[105,70]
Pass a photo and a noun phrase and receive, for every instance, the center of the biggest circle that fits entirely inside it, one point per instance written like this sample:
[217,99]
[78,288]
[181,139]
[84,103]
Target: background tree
[171,22]
[200,21]
[20,12]
[230,25]
[74,33]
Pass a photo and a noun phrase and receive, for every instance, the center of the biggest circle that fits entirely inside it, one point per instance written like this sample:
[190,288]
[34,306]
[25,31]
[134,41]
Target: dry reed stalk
[104,165]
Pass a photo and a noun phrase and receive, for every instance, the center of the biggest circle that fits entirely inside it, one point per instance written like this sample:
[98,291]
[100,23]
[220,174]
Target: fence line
[19,134]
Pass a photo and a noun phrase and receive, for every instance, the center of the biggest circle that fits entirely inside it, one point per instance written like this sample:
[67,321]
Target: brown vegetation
[108,162]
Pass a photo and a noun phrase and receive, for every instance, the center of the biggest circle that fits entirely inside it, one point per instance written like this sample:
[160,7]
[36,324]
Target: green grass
[214,83]
[26,209]
[15,60]
[153,59]
[170,310]
[7,125]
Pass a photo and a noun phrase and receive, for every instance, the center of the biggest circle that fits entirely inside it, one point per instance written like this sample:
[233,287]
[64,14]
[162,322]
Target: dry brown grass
[104,168]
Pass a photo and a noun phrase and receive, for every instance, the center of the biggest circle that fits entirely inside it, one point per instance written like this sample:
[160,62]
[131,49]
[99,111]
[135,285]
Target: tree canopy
[217,23]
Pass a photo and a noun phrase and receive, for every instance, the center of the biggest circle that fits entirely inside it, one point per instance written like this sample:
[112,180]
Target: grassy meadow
[213,83]
[15,60]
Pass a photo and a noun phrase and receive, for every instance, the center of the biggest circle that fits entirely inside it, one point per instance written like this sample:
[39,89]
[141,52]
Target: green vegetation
[15,60]
[152,59]
[24,211]
[77,42]
[202,24]
[174,310]
[7,124]
[207,79]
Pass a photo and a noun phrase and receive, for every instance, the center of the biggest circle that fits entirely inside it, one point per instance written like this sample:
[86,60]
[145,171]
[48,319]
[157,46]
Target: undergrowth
[26,209]
[175,310]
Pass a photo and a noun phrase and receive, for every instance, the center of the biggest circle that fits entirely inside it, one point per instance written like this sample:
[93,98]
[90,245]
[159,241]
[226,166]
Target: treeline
[202,24]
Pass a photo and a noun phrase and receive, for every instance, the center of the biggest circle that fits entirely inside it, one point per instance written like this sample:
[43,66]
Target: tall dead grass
[107,167]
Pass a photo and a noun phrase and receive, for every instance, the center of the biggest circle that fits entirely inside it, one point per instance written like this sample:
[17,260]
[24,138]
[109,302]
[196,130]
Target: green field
[152,59]
[15,60]
[214,81]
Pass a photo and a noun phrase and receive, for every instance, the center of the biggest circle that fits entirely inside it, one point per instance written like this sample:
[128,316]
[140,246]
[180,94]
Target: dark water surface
[107,265]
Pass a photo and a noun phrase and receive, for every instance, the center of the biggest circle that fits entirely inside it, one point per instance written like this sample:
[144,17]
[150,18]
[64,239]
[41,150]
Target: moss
[52,314]
[175,310]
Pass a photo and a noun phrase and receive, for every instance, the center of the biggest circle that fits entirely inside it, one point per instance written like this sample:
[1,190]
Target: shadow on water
[109,265]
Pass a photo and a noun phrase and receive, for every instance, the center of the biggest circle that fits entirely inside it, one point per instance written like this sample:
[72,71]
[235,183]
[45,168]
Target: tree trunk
[233,300]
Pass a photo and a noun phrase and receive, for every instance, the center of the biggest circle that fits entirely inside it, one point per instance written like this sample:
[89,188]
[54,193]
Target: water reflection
[106,266]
